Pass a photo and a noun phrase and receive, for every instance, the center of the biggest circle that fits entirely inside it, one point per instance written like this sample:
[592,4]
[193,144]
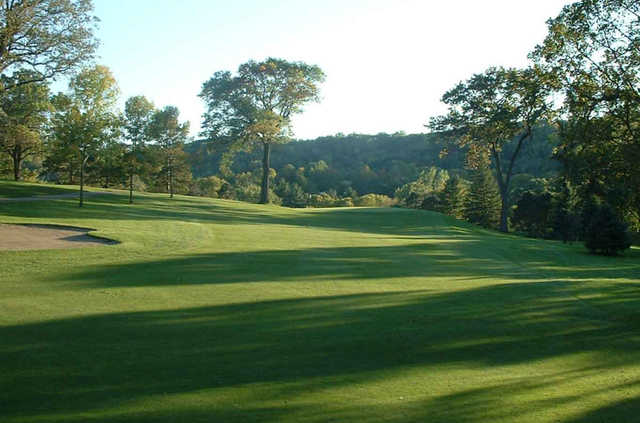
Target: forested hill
[366,163]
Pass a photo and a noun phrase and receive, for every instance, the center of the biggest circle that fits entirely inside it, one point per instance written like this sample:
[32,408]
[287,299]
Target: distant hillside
[369,163]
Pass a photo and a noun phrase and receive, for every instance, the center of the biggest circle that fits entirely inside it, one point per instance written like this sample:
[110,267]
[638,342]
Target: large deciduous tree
[593,49]
[23,115]
[47,37]
[85,119]
[255,106]
[492,109]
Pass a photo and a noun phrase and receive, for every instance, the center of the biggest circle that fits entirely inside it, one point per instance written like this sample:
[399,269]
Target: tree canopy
[169,134]
[47,37]
[490,110]
[254,107]
[85,118]
[593,50]
[23,117]
[138,112]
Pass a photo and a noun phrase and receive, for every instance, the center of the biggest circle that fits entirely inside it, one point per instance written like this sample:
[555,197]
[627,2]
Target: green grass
[25,189]
[220,311]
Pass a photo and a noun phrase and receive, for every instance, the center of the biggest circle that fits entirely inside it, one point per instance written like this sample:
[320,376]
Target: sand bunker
[41,237]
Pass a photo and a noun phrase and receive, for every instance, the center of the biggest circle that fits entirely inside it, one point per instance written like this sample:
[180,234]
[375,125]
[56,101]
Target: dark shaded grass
[10,189]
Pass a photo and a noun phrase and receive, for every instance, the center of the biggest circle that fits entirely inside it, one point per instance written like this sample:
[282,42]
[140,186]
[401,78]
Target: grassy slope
[215,310]
[25,189]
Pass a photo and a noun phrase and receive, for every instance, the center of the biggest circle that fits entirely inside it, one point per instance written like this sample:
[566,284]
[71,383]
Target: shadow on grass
[281,350]
[11,189]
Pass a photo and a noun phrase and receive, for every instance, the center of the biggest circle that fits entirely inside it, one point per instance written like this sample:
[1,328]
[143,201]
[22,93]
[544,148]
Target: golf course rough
[212,310]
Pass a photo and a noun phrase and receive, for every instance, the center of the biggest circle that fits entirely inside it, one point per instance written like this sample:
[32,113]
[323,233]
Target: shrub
[374,200]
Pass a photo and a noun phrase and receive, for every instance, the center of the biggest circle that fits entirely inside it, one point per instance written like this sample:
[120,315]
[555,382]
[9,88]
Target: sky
[387,62]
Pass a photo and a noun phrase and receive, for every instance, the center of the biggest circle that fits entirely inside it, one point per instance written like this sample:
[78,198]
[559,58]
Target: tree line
[79,136]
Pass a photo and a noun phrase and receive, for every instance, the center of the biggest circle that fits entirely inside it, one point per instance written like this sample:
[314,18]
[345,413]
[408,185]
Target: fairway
[221,311]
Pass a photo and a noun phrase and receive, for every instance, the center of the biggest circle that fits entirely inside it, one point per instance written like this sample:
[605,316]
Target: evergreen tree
[452,198]
[482,205]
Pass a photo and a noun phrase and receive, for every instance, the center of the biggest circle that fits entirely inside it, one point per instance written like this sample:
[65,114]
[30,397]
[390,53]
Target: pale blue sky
[387,62]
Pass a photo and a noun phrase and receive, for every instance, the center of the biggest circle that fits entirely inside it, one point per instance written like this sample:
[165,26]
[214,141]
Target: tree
[138,112]
[170,135]
[492,109]
[255,106]
[564,219]
[47,37]
[533,213]
[606,233]
[292,194]
[452,197]
[430,182]
[482,205]
[593,51]
[84,119]
[207,187]
[109,166]
[23,116]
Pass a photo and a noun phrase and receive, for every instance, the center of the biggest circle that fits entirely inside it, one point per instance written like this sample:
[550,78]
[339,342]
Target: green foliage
[207,187]
[359,164]
[324,199]
[46,37]
[24,111]
[84,122]
[592,52]
[255,106]
[565,221]
[430,181]
[138,112]
[482,205]
[374,200]
[292,194]
[489,111]
[108,169]
[532,214]
[453,197]
[165,129]
[606,233]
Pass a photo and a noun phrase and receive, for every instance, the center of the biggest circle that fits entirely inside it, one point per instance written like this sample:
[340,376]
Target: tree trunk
[16,170]
[170,179]
[264,192]
[131,188]
[17,161]
[82,160]
[504,211]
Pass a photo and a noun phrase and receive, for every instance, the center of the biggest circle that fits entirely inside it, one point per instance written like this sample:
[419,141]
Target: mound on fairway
[220,311]
[40,237]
